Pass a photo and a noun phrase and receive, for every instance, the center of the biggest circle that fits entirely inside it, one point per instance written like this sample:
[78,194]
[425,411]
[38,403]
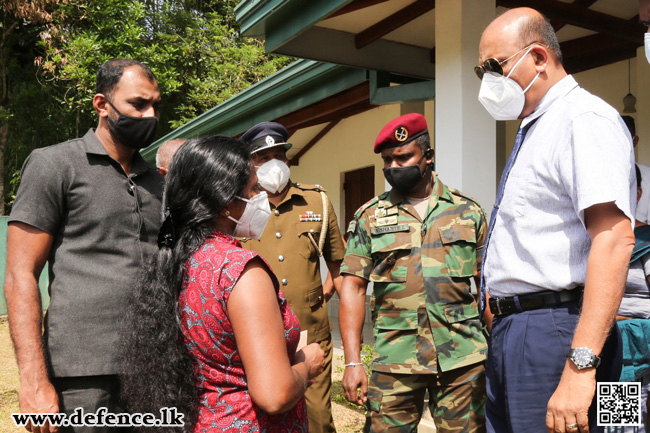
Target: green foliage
[193,46]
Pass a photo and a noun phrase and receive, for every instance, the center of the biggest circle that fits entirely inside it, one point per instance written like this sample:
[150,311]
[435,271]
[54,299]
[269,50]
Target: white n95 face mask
[273,175]
[646,40]
[501,96]
[255,217]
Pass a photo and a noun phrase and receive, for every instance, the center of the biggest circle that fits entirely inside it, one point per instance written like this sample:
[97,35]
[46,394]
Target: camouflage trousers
[456,400]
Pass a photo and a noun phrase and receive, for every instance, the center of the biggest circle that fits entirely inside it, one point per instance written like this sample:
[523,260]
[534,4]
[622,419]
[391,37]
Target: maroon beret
[400,131]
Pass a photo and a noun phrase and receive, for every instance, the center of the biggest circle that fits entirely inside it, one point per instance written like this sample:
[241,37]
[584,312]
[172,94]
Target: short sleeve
[358,260]
[40,200]
[334,249]
[481,234]
[599,165]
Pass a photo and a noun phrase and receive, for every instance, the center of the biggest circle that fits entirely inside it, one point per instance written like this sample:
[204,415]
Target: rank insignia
[387,221]
[381,212]
[392,211]
[310,216]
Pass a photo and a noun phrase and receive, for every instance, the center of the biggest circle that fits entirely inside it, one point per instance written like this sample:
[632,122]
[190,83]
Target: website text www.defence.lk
[169,417]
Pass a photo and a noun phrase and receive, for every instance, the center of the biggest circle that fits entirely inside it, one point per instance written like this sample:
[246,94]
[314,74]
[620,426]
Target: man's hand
[355,385]
[570,402]
[38,398]
[352,309]
[612,241]
[27,251]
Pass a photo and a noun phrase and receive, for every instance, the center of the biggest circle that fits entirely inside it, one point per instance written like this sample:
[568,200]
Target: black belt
[534,301]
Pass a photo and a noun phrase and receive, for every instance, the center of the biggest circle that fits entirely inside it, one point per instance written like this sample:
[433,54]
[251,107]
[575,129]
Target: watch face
[582,357]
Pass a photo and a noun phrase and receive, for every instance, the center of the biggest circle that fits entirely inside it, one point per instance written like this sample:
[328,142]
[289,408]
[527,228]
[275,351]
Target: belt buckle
[499,312]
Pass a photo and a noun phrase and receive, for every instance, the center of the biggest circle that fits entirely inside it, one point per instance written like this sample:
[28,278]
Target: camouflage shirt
[424,314]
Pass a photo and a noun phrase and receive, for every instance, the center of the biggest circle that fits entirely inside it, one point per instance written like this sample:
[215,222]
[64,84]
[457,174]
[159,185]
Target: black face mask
[134,132]
[404,179]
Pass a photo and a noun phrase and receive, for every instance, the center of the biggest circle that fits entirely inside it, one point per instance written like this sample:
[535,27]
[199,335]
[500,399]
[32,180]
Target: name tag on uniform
[387,221]
[390,229]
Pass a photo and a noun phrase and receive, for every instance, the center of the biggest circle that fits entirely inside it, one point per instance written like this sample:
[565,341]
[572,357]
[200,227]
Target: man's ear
[541,56]
[100,104]
[162,170]
[635,140]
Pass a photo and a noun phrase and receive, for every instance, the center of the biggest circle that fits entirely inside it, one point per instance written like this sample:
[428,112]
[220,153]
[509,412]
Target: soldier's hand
[355,385]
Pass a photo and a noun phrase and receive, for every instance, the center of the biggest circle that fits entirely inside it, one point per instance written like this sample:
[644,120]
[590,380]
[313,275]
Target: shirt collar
[95,147]
[559,90]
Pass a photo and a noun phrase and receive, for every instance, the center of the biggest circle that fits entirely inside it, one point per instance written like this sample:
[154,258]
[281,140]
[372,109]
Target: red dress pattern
[225,404]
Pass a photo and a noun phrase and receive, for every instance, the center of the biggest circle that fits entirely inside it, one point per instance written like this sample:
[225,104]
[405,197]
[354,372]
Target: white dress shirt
[577,154]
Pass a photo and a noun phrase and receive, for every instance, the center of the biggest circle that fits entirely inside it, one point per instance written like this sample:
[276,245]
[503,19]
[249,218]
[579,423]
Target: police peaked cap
[265,135]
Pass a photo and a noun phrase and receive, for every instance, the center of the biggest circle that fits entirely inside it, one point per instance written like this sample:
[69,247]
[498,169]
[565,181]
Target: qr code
[619,404]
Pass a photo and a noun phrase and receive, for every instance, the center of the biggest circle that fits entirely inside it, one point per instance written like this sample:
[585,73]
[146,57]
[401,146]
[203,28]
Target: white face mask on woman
[501,96]
[273,175]
[646,40]
[255,217]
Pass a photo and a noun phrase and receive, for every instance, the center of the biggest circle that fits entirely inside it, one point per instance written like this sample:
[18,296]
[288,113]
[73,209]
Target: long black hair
[204,176]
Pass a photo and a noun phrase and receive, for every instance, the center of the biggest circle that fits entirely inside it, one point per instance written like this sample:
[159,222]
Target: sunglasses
[493,66]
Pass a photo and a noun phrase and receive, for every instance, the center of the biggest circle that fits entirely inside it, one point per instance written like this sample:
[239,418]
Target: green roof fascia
[281,20]
[296,86]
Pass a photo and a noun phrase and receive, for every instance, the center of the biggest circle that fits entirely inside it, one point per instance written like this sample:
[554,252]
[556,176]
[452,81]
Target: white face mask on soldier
[273,175]
[501,96]
[255,217]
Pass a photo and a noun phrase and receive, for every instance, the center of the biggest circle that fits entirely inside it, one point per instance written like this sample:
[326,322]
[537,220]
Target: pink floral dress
[225,404]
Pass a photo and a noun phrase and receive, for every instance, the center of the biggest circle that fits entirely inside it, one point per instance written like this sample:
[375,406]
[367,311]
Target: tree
[193,46]
[20,26]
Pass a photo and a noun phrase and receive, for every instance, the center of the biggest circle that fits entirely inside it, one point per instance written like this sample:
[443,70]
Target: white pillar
[642,115]
[465,134]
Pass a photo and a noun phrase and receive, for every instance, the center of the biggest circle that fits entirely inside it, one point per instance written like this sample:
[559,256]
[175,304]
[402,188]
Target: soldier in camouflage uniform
[420,244]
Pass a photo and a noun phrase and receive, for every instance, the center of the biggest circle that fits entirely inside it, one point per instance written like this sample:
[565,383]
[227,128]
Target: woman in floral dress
[209,332]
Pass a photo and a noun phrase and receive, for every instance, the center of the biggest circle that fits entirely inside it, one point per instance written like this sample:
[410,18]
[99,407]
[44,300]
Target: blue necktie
[521,134]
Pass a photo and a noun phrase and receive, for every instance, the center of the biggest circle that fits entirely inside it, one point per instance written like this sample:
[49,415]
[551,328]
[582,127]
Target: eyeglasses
[493,65]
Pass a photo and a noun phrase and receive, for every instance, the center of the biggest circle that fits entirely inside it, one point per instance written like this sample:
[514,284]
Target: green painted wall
[42,283]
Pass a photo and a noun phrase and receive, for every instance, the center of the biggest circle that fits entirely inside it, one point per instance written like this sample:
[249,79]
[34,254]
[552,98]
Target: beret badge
[401,134]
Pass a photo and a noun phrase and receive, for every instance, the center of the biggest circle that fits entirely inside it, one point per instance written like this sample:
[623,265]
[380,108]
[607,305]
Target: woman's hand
[314,357]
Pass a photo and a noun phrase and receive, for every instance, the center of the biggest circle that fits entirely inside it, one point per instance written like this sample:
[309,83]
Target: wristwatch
[583,357]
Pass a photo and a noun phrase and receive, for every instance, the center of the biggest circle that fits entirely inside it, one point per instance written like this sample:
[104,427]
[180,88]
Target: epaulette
[462,194]
[373,201]
[307,187]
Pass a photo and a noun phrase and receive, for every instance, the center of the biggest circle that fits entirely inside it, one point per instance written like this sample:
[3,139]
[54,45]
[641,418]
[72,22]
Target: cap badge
[269,140]
[401,134]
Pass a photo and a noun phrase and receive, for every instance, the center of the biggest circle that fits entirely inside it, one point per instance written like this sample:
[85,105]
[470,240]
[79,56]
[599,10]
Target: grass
[9,382]
[348,418]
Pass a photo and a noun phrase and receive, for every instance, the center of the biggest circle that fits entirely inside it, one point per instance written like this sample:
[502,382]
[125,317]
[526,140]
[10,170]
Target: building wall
[609,83]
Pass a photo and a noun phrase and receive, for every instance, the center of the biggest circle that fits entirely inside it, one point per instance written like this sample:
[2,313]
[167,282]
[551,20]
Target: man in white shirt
[562,222]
